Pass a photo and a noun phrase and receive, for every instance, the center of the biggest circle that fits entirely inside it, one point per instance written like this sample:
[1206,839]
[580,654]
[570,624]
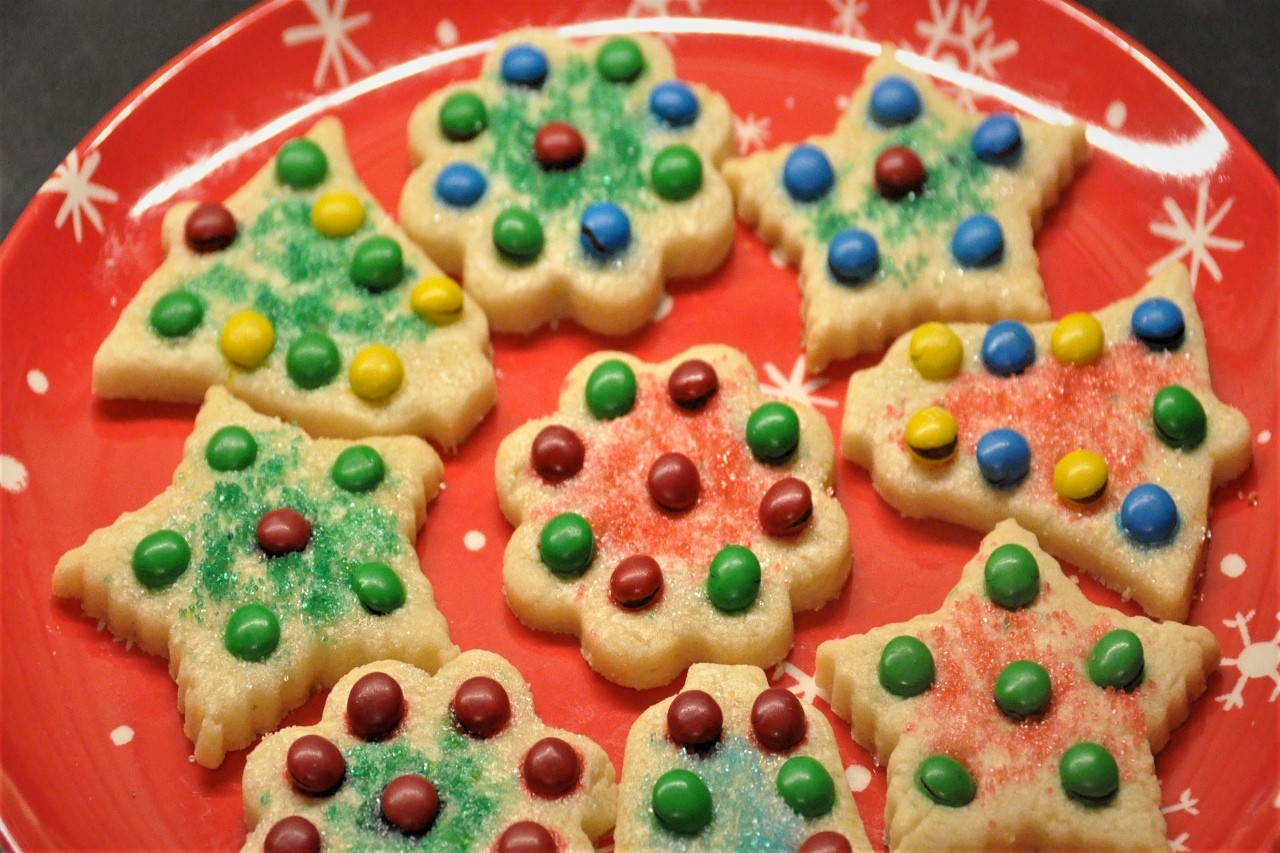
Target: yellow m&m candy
[337,214]
[247,338]
[437,300]
[1080,476]
[375,373]
[932,435]
[1077,339]
[936,351]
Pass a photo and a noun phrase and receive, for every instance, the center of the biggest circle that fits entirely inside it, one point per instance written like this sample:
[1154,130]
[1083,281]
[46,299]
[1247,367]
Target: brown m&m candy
[283,531]
[557,453]
[551,768]
[375,706]
[410,803]
[293,834]
[673,482]
[210,227]
[315,765]
[694,720]
[786,508]
[481,707]
[899,172]
[635,582]
[692,384]
[777,719]
[525,836]
[558,145]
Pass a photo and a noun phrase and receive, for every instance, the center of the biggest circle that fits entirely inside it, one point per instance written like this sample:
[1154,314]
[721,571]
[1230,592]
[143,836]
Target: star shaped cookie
[1019,715]
[301,296]
[402,760]
[1099,432]
[271,566]
[571,180]
[730,763]
[671,513]
[912,209]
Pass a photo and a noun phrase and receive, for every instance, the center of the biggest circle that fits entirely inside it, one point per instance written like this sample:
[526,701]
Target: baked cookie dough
[402,760]
[671,513]
[730,763]
[1099,432]
[272,566]
[571,180]
[1019,715]
[305,300]
[913,209]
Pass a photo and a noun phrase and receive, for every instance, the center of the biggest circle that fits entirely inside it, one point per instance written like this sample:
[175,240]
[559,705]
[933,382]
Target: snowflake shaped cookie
[1019,714]
[402,760]
[305,300]
[1099,432]
[571,181]
[670,513]
[912,209]
[729,763]
[271,566]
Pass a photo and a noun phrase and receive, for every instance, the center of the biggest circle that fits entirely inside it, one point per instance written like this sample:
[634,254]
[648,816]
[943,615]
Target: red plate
[93,751]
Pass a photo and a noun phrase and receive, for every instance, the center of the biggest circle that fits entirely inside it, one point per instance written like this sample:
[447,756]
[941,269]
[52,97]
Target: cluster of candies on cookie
[745,774]
[1026,714]
[926,178]
[569,138]
[568,542]
[392,795]
[1073,396]
[269,546]
[338,284]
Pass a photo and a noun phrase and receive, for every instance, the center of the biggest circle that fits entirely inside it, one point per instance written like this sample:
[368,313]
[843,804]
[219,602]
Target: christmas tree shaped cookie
[1020,715]
[272,566]
[571,180]
[912,209]
[305,299]
[730,763]
[405,761]
[670,513]
[1099,432]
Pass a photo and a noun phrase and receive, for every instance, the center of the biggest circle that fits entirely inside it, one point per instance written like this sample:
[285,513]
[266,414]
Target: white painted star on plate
[846,21]
[805,687]
[1194,239]
[332,28]
[74,180]
[795,386]
[751,132]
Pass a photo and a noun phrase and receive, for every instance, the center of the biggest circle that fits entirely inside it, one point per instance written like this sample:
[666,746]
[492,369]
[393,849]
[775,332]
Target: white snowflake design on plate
[660,8]
[1197,238]
[1256,660]
[846,21]
[74,180]
[751,133]
[332,28]
[805,687]
[794,386]
[963,36]
[13,474]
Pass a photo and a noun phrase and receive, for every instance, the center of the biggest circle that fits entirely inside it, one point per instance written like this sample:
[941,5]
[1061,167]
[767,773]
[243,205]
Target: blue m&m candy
[605,230]
[1148,515]
[978,241]
[1159,324]
[674,104]
[1008,348]
[998,139]
[524,65]
[807,174]
[894,101]
[853,256]
[460,184]
[1004,458]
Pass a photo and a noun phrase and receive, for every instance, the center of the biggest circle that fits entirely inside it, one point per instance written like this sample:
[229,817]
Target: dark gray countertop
[65,63]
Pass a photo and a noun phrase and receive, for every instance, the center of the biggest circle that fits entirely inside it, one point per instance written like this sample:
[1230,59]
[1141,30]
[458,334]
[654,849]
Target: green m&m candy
[1179,418]
[176,314]
[301,164]
[1117,660]
[567,545]
[378,264]
[611,389]
[517,235]
[906,667]
[1022,689]
[378,587]
[252,633]
[773,433]
[358,469]
[160,558]
[733,583]
[463,116]
[1089,774]
[232,448]
[676,173]
[1012,577]
[681,802]
[806,786]
[313,360]
[619,60]
[945,781]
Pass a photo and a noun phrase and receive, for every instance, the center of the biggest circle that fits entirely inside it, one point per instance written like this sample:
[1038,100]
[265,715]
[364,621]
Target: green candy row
[358,468]
[1087,772]
[682,802]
